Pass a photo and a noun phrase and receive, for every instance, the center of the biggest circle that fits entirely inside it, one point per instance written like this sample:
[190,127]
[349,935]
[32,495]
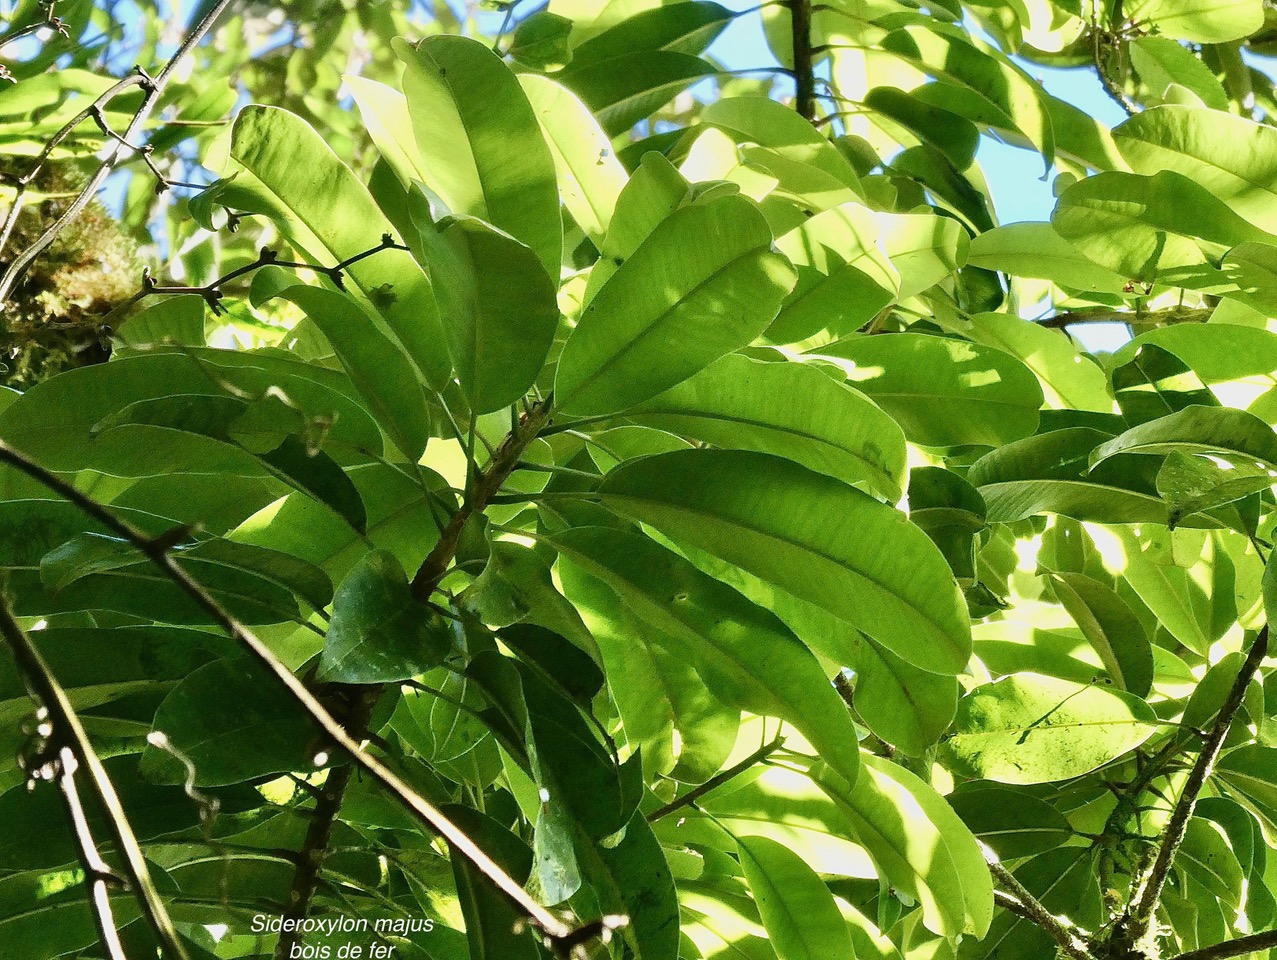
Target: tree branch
[483,488]
[1136,318]
[1135,921]
[114,152]
[74,752]
[804,71]
[689,798]
[314,850]
[156,551]
[1070,939]
[1233,948]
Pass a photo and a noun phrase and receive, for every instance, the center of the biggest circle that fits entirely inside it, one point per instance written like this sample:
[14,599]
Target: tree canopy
[515,483]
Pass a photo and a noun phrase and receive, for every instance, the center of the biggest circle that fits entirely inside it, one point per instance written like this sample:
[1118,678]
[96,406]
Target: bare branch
[75,752]
[1135,921]
[1233,948]
[1071,939]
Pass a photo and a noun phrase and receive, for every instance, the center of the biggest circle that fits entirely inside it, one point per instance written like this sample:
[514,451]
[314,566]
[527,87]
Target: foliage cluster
[694,509]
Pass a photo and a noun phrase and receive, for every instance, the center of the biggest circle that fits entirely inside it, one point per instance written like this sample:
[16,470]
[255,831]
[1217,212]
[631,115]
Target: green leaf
[629,71]
[498,307]
[1112,629]
[809,535]
[326,211]
[481,147]
[788,409]
[774,125]
[1154,383]
[591,178]
[378,366]
[379,633]
[385,113]
[797,909]
[986,73]
[1027,728]
[1226,154]
[232,722]
[717,286]
[541,41]
[1037,250]
[943,392]
[1194,484]
[955,136]
[1047,473]
[918,843]
[691,616]
[1160,62]
[906,707]
[1199,21]
[1014,823]
[1220,431]
[492,921]
[1142,227]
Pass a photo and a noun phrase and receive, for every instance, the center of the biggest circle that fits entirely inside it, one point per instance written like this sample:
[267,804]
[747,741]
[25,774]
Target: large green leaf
[943,392]
[918,843]
[810,535]
[702,284]
[498,308]
[745,655]
[379,633]
[1047,473]
[590,176]
[1142,227]
[300,182]
[377,365]
[481,147]
[1069,380]
[1221,431]
[906,707]
[988,74]
[1037,250]
[1027,728]
[797,909]
[1200,21]
[1113,630]
[1230,156]
[232,722]
[789,409]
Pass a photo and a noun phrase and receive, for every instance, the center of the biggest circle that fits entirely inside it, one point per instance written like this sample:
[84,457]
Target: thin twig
[689,798]
[98,877]
[68,736]
[1071,939]
[156,551]
[480,493]
[154,89]
[1135,921]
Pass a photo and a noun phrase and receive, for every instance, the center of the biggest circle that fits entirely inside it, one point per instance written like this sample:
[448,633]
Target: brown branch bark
[74,753]
[1137,918]
[1233,948]
[804,70]
[1070,939]
[314,850]
[157,552]
[483,489]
